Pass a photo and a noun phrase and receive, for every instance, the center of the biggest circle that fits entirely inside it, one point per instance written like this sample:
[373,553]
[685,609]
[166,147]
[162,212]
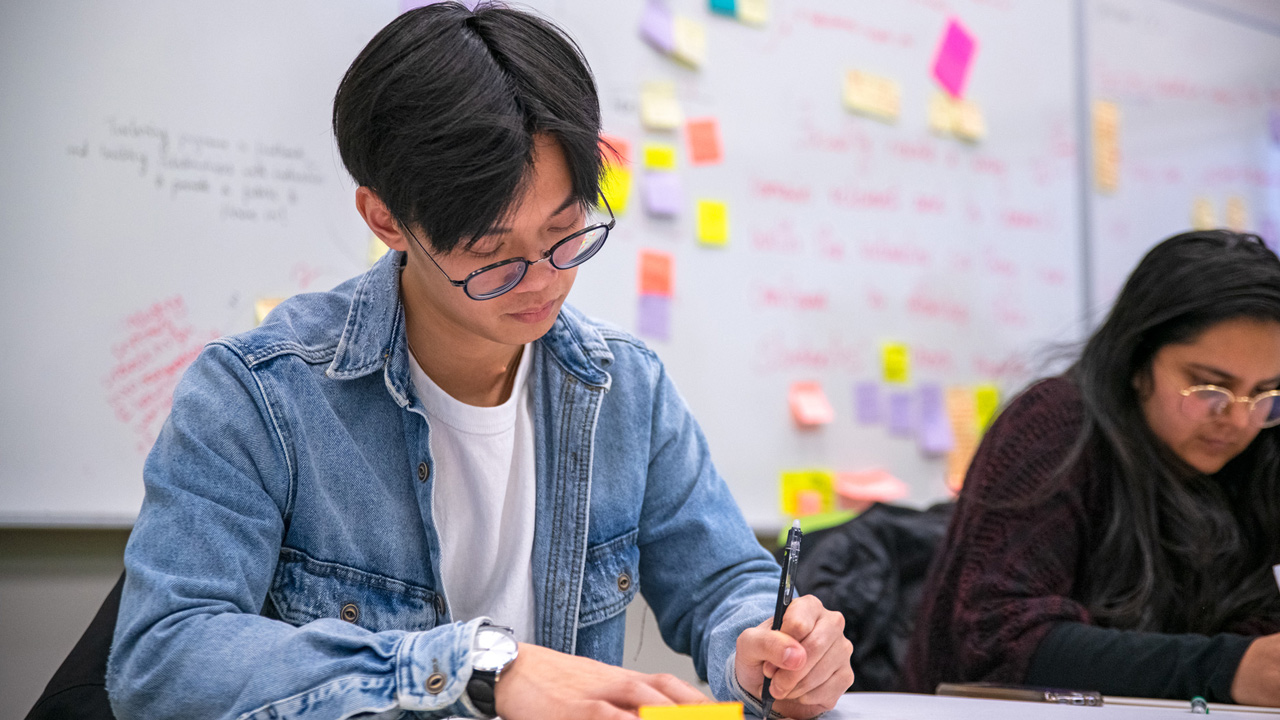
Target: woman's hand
[1257,680]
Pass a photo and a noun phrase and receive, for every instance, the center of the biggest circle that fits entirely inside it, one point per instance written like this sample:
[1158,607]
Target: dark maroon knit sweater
[1006,581]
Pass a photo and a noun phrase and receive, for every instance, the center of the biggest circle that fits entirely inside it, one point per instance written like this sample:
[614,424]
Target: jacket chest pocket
[306,589]
[611,579]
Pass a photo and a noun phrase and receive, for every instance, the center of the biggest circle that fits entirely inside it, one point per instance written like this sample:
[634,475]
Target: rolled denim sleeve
[705,575]
[190,642]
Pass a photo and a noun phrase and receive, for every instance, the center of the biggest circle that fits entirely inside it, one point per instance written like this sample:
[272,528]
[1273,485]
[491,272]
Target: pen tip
[796,523]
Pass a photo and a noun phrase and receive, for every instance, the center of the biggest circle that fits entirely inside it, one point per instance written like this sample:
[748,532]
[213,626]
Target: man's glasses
[493,280]
[1202,401]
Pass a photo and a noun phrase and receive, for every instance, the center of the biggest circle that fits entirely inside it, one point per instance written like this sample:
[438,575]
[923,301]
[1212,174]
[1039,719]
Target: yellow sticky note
[1202,216]
[691,42]
[616,187]
[800,488]
[941,113]
[872,95]
[1237,213]
[753,12]
[659,106]
[713,222]
[659,156]
[262,306]
[968,122]
[1106,146]
[709,711]
[896,360]
[986,400]
[377,249]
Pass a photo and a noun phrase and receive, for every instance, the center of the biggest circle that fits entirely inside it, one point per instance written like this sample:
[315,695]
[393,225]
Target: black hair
[1180,551]
[437,115]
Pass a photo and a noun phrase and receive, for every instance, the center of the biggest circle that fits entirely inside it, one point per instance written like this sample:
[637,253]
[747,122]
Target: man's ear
[380,220]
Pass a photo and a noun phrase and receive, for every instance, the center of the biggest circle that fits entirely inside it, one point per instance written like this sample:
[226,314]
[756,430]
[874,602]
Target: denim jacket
[285,565]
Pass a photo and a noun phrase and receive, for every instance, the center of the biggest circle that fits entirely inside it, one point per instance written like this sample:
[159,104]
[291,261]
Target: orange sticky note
[616,150]
[655,273]
[713,222]
[704,141]
[809,404]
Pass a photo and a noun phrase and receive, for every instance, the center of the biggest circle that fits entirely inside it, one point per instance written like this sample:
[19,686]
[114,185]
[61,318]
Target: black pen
[790,558]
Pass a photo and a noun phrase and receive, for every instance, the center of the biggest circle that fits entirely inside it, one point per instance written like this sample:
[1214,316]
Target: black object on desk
[790,558]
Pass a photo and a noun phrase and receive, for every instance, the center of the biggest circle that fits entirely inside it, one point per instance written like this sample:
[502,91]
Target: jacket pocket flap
[611,578]
[306,589]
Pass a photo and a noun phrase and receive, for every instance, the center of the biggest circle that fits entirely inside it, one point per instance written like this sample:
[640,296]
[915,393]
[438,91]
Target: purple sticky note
[1275,125]
[951,65]
[658,26]
[936,437]
[901,419]
[866,402]
[662,193]
[655,317]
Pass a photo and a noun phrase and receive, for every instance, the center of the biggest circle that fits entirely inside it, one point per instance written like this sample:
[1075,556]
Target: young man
[436,488]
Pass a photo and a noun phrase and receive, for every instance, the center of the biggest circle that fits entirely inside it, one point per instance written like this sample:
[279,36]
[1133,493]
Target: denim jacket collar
[374,336]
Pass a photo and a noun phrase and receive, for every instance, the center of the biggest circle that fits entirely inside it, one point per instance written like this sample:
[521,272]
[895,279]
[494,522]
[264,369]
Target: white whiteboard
[172,162]
[1199,99]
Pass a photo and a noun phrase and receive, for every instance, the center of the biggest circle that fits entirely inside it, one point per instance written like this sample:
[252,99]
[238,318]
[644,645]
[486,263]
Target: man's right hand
[1257,680]
[543,683]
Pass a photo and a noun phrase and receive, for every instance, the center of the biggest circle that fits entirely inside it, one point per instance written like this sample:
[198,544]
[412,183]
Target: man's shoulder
[308,325]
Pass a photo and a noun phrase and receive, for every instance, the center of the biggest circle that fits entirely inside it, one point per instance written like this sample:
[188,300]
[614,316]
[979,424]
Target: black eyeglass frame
[578,260]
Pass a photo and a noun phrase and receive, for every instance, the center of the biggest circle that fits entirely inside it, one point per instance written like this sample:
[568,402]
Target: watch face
[495,649]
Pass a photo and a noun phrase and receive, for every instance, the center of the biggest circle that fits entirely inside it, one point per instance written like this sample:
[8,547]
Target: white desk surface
[894,706]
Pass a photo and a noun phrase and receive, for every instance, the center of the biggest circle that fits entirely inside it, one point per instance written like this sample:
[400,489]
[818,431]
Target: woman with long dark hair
[1119,524]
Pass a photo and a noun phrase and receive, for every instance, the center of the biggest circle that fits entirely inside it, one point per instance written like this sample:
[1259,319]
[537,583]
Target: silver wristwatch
[492,652]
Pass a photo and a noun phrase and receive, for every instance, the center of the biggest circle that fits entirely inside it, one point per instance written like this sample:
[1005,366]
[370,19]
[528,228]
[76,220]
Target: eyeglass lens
[1204,402]
[570,252]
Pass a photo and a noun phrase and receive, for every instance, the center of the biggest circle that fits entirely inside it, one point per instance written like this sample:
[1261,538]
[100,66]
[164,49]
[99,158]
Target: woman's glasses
[1203,401]
[493,280]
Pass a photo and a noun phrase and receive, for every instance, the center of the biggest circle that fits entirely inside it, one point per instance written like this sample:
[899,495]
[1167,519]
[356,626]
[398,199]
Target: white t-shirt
[483,501]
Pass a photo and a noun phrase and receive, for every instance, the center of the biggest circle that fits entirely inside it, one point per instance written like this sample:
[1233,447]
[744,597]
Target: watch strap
[480,689]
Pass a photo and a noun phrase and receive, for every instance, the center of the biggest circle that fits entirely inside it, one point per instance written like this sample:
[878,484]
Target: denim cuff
[433,668]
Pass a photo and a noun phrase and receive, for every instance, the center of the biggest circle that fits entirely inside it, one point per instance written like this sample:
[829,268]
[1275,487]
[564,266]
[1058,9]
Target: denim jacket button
[439,605]
[350,612]
[422,472]
[624,581]
[435,683]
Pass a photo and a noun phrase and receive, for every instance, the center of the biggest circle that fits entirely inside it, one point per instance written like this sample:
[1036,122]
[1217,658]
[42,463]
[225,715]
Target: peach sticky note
[896,361]
[1237,213]
[801,486]
[704,141]
[659,156]
[1202,215]
[962,412]
[659,106]
[1106,146]
[262,306]
[968,122]
[809,404]
[954,57]
[713,222]
[691,42]
[709,711]
[655,273]
[872,95]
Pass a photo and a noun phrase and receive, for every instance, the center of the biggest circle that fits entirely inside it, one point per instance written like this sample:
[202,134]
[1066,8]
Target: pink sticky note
[809,404]
[704,141]
[655,317]
[616,150]
[662,193]
[955,54]
[863,487]
[658,26]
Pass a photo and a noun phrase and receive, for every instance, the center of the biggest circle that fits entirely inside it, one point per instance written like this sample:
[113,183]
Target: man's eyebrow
[503,230]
